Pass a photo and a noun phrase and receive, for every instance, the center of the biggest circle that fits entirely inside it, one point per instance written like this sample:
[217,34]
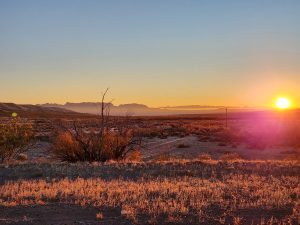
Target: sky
[158,52]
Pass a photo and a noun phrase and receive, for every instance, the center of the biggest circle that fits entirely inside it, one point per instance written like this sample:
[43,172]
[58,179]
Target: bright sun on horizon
[283,103]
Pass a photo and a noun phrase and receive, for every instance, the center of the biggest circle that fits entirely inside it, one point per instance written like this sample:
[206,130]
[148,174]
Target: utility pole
[226,112]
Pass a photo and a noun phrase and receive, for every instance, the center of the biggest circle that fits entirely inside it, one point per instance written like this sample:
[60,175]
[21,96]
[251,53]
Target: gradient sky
[158,52]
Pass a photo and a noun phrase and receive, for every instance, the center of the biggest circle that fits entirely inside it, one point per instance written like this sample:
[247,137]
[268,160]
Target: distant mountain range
[95,107]
[75,109]
[137,109]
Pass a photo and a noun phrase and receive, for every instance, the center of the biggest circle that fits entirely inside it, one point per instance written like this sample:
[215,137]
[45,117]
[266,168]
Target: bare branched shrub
[112,139]
[15,137]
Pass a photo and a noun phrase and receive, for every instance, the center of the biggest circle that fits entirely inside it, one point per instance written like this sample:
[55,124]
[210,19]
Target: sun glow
[283,103]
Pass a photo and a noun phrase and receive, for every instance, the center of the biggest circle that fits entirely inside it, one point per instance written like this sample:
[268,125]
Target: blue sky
[159,53]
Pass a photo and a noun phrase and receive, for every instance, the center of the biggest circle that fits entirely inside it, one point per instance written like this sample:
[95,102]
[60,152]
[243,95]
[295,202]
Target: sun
[283,103]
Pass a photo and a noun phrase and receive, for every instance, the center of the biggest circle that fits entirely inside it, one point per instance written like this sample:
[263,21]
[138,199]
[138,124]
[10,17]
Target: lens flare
[14,114]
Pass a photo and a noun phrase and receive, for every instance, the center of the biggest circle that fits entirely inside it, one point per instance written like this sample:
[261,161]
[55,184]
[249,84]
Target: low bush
[135,155]
[15,137]
[82,146]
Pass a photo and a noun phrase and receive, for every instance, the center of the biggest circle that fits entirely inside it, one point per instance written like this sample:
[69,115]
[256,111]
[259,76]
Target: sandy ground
[194,147]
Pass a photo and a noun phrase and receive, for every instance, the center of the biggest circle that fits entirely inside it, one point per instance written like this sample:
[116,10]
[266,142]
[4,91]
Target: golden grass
[182,196]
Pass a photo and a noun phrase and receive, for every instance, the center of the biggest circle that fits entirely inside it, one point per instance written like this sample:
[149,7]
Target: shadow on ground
[59,214]
[135,171]
[65,214]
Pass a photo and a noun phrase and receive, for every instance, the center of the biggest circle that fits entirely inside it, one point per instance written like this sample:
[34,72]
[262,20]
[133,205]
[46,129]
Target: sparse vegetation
[110,173]
[15,136]
[203,127]
[184,192]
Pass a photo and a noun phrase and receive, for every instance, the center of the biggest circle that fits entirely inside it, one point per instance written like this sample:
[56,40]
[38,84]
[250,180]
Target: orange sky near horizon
[251,94]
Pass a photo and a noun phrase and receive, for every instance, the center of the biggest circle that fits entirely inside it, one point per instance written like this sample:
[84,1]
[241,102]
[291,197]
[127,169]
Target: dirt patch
[193,148]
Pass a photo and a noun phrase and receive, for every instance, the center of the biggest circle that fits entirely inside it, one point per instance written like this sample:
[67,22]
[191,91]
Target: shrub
[94,147]
[66,147]
[15,137]
[91,147]
[135,155]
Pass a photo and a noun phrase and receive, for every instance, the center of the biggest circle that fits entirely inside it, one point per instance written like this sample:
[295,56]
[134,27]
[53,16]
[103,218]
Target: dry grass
[184,192]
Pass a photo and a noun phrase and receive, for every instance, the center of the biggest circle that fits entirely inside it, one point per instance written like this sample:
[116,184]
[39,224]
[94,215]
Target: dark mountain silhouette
[6,110]
[95,107]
